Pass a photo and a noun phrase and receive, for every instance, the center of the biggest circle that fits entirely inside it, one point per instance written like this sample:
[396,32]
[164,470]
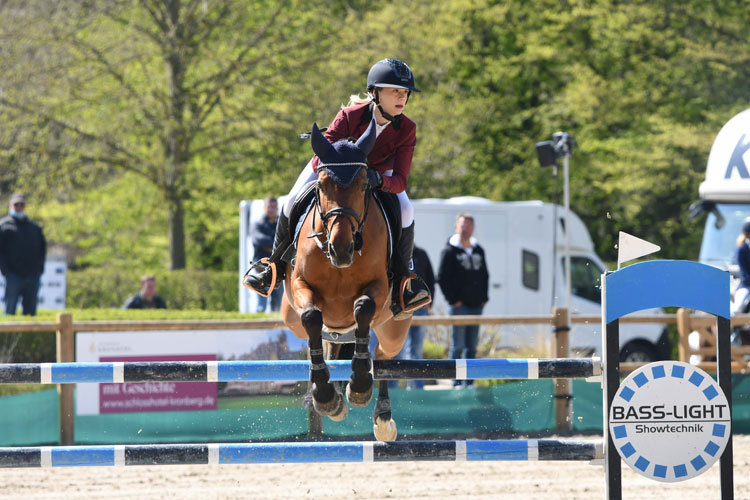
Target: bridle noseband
[351,215]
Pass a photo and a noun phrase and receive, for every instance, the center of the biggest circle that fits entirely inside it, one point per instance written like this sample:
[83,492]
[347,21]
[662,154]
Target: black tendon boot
[260,277]
[415,291]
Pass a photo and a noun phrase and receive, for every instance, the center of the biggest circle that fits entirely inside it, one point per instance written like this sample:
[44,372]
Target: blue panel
[627,450]
[281,371]
[719,430]
[497,450]
[710,392]
[642,463]
[271,453]
[658,371]
[641,379]
[497,368]
[661,283]
[620,431]
[698,463]
[83,455]
[696,379]
[678,371]
[711,448]
[660,470]
[680,470]
[627,393]
[82,372]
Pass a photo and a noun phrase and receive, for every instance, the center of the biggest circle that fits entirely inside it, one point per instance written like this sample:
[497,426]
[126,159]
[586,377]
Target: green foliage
[433,350]
[186,289]
[112,138]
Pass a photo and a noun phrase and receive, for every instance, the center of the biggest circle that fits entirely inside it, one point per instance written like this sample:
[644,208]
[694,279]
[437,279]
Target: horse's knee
[312,318]
[364,308]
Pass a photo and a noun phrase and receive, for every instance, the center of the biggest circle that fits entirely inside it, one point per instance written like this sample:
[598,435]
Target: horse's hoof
[342,412]
[385,430]
[358,398]
[332,407]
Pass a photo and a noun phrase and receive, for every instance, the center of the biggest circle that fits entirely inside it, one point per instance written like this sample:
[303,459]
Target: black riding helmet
[390,73]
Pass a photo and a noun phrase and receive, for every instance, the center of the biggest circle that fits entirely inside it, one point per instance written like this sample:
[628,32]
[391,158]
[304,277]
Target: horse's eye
[363,188]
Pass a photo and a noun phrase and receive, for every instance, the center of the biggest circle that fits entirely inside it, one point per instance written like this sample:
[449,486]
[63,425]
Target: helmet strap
[395,120]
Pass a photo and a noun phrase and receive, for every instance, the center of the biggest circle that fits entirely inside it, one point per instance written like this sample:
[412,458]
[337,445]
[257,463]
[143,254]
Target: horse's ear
[367,141]
[320,144]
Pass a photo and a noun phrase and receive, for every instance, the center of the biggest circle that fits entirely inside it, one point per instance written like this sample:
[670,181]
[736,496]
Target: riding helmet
[391,73]
[746,226]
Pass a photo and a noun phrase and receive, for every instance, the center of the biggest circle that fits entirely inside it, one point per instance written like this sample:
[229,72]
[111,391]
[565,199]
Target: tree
[152,87]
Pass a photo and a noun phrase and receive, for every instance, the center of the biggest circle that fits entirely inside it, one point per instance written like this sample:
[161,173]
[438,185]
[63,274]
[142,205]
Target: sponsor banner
[170,345]
[670,421]
[157,396]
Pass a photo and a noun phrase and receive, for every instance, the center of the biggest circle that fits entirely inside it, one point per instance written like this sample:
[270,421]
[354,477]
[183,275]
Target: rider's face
[393,101]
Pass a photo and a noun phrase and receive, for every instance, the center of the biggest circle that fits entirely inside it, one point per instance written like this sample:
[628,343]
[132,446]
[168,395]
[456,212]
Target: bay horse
[339,284]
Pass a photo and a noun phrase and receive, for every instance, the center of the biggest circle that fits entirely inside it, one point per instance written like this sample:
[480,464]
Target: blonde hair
[356,99]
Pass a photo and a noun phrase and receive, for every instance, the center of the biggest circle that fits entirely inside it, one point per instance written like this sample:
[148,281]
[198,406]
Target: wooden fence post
[563,393]
[66,354]
[683,330]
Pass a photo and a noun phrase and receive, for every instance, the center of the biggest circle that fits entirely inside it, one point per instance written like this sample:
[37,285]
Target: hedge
[185,289]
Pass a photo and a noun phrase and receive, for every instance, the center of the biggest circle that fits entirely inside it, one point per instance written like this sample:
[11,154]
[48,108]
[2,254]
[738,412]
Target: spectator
[414,346]
[22,253]
[146,298]
[263,232]
[743,261]
[464,281]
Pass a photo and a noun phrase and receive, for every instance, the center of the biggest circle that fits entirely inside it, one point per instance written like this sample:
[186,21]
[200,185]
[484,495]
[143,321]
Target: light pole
[548,152]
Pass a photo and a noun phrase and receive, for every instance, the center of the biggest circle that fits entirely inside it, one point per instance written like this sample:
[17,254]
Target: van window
[530,267]
[585,275]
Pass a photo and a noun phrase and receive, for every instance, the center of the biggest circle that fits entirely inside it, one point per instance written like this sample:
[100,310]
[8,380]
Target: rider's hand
[374,178]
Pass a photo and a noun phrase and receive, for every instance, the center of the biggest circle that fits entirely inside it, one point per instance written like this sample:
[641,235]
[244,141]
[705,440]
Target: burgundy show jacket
[393,148]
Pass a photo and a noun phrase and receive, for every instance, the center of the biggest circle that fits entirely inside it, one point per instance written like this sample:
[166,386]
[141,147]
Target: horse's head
[342,190]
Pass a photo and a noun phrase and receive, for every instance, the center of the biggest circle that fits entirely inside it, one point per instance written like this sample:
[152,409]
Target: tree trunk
[176,222]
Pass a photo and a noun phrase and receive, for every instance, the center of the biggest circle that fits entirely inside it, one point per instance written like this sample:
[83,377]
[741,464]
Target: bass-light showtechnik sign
[670,421]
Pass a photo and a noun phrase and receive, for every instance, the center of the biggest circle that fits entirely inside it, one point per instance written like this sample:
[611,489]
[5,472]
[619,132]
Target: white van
[525,251]
[725,194]
[525,256]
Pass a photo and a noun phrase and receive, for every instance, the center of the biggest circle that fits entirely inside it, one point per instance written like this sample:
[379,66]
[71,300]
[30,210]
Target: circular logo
[669,421]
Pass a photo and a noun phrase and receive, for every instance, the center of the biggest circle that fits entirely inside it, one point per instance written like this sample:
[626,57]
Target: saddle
[386,202]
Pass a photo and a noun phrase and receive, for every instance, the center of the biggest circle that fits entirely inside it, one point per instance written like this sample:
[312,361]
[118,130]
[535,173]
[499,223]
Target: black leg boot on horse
[409,290]
[267,274]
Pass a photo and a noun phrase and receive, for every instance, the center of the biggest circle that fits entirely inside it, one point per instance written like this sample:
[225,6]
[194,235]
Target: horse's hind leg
[326,400]
[384,426]
[359,390]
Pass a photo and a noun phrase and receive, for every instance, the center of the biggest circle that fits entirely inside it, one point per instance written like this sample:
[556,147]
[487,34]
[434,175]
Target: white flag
[629,247]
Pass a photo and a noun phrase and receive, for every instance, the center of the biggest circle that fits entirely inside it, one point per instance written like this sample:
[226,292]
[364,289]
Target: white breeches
[307,175]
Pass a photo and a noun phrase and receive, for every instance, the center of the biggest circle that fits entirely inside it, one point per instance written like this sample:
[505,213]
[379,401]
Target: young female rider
[389,84]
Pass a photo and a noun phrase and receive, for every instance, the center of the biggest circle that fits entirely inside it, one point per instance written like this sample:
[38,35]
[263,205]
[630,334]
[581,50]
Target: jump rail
[263,453]
[285,371]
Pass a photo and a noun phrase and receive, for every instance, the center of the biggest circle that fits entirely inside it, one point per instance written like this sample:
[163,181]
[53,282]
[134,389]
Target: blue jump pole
[264,453]
[284,371]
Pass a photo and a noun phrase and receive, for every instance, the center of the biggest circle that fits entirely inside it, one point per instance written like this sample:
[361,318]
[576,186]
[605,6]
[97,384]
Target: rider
[743,261]
[389,85]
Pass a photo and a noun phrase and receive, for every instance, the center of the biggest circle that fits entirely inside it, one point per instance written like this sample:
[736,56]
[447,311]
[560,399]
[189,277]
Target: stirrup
[272,287]
[408,310]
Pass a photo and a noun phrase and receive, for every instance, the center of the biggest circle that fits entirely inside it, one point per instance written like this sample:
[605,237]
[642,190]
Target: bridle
[351,215]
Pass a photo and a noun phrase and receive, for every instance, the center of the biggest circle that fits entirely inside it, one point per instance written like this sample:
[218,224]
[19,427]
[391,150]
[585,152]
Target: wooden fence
[66,329]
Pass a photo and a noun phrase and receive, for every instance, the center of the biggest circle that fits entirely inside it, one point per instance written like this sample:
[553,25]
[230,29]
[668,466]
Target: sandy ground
[409,480]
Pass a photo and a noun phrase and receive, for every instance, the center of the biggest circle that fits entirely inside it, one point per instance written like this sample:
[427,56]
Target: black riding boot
[260,275]
[416,293]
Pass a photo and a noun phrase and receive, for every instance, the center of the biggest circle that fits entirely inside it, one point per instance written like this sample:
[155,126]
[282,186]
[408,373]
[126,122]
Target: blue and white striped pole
[288,370]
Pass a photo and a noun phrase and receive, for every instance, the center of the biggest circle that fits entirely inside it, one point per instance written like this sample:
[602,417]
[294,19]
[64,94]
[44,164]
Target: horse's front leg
[359,390]
[326,400]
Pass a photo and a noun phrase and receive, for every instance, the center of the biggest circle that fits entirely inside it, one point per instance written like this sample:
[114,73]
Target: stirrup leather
[272,287]
[404,282]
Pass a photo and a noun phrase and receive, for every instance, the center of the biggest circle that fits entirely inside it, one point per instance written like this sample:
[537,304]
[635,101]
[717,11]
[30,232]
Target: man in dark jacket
[22,253]
[464,281]
[262,234]
[146,298]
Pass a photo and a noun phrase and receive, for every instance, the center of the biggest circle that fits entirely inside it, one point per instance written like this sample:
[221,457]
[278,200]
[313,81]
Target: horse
[339,281]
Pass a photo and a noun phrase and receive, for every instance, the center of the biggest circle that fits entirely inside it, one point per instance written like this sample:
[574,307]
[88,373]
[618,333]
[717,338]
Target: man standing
[464,281]
[22,253]
[742,257]
[263,231]
[146,298]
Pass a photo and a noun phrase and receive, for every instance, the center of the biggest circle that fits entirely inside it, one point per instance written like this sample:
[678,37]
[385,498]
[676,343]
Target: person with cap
[742,256]
[390,83]
[23,250]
